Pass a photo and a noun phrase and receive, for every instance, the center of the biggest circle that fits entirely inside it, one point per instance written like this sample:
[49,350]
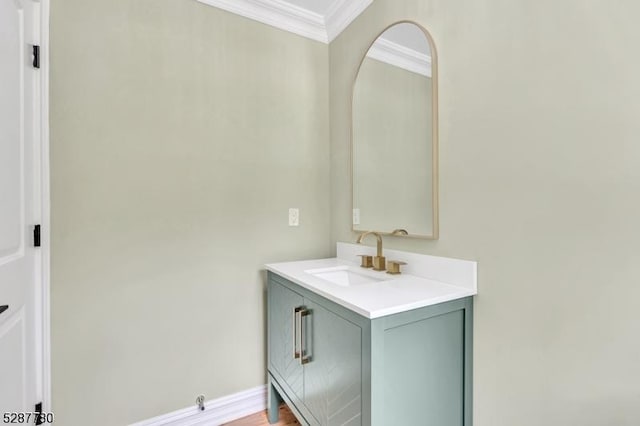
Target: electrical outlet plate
[294,217]
[356,216]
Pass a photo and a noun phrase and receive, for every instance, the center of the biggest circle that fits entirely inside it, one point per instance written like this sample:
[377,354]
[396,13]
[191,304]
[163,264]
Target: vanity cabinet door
[282,331]
[332,372]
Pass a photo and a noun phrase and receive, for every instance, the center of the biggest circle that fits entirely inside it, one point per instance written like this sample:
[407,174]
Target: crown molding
[295,19]
[341,14]
[277,13]
[400,56]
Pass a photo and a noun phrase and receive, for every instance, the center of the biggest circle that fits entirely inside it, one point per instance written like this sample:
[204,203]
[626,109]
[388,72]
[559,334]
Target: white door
[20,277]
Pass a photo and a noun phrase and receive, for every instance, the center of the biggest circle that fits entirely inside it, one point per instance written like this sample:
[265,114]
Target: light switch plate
[294,217]
[356,216]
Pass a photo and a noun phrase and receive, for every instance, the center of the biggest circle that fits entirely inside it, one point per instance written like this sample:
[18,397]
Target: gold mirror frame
[434,134]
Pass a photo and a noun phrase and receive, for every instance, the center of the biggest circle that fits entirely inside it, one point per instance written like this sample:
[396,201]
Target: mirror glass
[394,135]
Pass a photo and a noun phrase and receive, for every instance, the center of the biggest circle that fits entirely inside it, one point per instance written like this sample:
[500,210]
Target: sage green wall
[392,156]
[540,177]
[180,136]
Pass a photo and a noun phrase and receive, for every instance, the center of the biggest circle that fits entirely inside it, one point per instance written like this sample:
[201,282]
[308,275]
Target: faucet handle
[393,267]
[367,261]
[379,263]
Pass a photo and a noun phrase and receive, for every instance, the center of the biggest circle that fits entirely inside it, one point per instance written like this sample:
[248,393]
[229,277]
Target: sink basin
[345,276]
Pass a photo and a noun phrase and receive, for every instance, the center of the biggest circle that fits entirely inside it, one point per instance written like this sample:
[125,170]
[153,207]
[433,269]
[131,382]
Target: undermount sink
[343,275]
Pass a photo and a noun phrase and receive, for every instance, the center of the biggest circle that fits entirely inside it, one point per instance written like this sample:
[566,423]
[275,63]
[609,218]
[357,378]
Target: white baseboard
[217,411]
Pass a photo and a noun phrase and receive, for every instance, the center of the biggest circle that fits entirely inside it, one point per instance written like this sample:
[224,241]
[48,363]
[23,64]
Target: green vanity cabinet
[333,366]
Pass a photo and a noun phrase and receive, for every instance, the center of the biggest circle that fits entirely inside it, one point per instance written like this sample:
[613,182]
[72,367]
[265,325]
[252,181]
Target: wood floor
[260,419]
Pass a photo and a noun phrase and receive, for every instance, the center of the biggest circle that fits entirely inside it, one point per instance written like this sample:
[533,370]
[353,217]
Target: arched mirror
[395,135]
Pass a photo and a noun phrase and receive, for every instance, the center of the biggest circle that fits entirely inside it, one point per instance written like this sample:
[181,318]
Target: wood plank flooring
[260,419]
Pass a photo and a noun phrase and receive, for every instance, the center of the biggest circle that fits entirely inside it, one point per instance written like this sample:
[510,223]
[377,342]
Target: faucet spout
[378,238]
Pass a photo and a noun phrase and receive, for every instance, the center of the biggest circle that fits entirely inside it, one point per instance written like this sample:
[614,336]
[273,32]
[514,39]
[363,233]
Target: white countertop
[391,295]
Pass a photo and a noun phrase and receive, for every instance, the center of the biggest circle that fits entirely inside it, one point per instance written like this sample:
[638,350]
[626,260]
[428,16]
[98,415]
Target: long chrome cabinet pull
[296,312]
[306,357]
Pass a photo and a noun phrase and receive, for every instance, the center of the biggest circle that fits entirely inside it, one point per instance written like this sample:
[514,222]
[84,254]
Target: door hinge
[38,411]
[35,55]
[36,236]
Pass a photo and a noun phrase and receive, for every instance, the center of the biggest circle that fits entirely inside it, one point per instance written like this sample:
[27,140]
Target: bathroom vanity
[352,346]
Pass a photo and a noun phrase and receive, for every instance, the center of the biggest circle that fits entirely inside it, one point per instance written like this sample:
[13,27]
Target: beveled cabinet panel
[282,303]
[332,388]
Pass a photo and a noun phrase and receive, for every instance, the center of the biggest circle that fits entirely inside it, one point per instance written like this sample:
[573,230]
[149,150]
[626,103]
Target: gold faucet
[379,263]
